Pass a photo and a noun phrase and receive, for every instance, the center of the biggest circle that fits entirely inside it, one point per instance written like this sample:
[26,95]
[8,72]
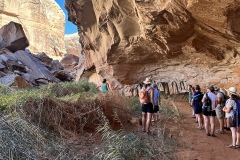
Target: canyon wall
[72,44]
[175,42]
[42,20]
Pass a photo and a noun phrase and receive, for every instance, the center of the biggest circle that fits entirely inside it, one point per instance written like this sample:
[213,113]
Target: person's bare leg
[238,136]
[149,117]
[144,121]
[156,116]
[221,125]
[212,123]
[202,119]
[234,135]
[206,123]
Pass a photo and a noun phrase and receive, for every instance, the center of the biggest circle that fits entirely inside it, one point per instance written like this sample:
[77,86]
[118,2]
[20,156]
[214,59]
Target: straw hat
[147,81]
[232,90]
[223,91]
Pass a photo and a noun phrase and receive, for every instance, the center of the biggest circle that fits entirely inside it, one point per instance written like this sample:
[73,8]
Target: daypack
[225,98]
[143,96]
[207,105]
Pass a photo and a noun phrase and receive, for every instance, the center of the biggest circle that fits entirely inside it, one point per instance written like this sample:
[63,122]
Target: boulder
[62,75]
[13,80]
[13,37]
[69,61]
[43,57]
[42,20]
[56,65]
[36,69]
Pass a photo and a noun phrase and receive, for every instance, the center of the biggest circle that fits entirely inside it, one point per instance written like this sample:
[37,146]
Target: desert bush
[69,88]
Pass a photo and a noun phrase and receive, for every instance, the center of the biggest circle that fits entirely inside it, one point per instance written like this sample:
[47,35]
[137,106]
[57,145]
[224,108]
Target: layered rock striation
[174,42]
[42,20]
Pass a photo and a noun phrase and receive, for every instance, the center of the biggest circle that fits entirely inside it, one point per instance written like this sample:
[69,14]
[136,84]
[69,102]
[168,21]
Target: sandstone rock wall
[72,44]
[43,22]
[174,42]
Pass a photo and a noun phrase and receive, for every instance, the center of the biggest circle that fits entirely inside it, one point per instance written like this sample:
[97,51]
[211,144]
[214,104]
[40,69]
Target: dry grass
[39,122]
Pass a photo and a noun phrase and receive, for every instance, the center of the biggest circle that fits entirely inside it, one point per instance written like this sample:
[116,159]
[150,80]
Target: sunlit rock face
[176,42]
[72,44]
[42,20]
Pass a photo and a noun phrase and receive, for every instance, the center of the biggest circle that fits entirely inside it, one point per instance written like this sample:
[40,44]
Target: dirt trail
[196,145]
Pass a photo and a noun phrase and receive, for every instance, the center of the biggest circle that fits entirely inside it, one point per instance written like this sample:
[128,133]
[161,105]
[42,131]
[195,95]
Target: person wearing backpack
[221,100]
[157,100]
[209,105]
[231,111]
[197,105]
[146,97]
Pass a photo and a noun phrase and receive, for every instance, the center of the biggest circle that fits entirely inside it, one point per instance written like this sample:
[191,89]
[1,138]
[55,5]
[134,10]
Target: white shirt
[230,104]
[213,98]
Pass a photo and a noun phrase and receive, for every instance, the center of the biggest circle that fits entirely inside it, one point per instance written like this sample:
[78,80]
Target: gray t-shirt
[213,98]
[220,95]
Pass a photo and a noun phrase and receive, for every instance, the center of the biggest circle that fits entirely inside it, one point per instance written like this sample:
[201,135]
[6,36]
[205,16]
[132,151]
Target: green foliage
[10,98]
[135,106]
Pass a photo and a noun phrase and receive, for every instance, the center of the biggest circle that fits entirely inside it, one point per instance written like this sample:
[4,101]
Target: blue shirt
[156,96]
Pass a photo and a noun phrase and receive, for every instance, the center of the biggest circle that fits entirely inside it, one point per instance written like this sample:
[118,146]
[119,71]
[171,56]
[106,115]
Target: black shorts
[232,122]
[156,109]
[210,113]
[147,108]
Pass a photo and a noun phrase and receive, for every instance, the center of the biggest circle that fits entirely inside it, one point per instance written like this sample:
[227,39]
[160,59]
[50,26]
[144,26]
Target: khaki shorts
[219,112]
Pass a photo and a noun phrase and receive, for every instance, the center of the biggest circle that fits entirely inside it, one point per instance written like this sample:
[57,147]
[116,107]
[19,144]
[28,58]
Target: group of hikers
[225,105]
[216,102]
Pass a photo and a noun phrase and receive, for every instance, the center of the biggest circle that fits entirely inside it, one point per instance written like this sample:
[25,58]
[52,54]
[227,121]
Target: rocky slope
[174,42]
[19,67]
[43,22]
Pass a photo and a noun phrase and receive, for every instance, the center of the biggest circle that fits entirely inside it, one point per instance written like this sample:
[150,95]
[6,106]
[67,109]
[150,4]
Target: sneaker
[219,131]
[200,127]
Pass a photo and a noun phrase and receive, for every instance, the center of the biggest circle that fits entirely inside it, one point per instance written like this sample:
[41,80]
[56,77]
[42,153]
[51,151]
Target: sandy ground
[196,145]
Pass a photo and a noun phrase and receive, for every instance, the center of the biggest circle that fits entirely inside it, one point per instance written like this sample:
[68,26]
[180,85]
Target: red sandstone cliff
[176,42]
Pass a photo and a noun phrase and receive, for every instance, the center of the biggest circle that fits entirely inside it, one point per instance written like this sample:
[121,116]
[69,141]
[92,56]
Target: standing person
[231,113]
[197,106]
[220,103]
[157,100]
[209,110]
[146,97]
[105,86]
[190,94]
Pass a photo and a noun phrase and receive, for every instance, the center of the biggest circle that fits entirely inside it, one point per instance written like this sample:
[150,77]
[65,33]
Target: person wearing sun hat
[146,97]
[229,109]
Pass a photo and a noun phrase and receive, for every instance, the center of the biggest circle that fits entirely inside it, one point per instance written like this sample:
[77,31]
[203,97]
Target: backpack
[144,98]
[207,105]
[225,98]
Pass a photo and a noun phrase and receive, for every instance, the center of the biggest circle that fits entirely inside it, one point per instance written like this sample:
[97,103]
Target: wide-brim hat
[147,81]
[233,90]
[223,91]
